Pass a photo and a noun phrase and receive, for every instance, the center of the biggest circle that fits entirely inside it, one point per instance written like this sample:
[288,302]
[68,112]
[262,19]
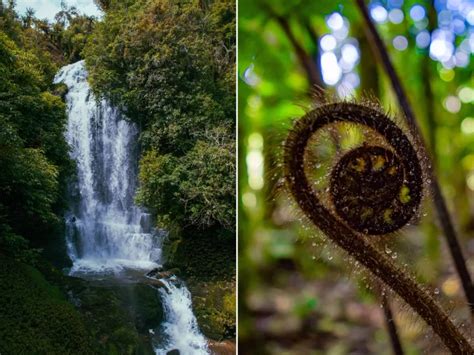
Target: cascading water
[105,232]
[180,328]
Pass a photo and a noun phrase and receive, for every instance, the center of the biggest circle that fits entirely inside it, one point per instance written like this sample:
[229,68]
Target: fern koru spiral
[374,189]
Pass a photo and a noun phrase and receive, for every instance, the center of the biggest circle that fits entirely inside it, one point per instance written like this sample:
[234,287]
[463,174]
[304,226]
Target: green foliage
[214,305]
[202,181]
[53,44]
[33,153]
[29,189]
[170,67]
[208,183]
[16,246]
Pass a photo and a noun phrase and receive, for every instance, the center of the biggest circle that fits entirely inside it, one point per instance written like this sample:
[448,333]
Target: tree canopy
[33,152]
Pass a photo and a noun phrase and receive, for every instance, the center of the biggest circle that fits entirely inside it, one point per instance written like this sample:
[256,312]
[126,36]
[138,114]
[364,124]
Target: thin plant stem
[391,326]
[309,65]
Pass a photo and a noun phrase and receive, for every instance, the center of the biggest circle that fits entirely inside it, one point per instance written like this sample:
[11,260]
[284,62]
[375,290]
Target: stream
[107,235]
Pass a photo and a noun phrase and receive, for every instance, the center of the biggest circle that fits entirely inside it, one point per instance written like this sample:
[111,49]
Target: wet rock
[164,275]
[146,222]
[175,271]
[160,273]
[226,347]
[173,352]
[155,271]
[154,282]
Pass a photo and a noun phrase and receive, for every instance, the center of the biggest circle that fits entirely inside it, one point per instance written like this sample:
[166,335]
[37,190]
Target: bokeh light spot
[466,94]
[470,17]
[249,200]
[335,21]
[330,68]
[396,16]
[470,181]
[451,286]
[379,13]
[462,59]
[417,12]
[467,126]
[350,53]
[255,141]
[446,74]
[328,42]
[423,39]
[400,43]
[441,49]
[452,104]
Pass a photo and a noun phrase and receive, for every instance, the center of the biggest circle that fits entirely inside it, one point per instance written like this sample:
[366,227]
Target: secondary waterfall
[180,327]
[106,233]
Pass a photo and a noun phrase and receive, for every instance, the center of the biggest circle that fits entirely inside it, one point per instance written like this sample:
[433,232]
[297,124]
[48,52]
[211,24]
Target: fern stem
[443,214]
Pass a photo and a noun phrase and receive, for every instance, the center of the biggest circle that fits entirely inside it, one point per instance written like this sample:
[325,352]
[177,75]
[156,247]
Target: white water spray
[180,328]
[106,232]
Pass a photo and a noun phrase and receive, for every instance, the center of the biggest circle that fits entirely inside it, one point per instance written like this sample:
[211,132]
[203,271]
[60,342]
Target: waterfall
[106,233]
[180,329]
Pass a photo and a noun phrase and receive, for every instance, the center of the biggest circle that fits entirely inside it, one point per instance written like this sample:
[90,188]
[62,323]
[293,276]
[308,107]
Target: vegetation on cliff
[33,152]
[170,66]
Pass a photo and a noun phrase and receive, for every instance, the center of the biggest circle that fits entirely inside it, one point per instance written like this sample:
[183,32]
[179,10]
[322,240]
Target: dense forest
[169,67]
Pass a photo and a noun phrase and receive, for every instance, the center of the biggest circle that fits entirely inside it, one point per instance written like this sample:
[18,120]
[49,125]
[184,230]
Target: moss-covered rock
[214,307]
[111,326]
[143,305]
[207,264]
[119,314]
[35,317]
[42,311]
[207,256]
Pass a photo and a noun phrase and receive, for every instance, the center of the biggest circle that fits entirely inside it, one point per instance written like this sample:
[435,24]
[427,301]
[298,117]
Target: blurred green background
[298,294]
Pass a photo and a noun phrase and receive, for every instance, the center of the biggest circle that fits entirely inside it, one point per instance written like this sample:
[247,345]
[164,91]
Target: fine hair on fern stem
[374,190]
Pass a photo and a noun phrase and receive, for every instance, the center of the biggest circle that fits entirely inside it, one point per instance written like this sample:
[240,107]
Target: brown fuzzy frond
[373,188]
